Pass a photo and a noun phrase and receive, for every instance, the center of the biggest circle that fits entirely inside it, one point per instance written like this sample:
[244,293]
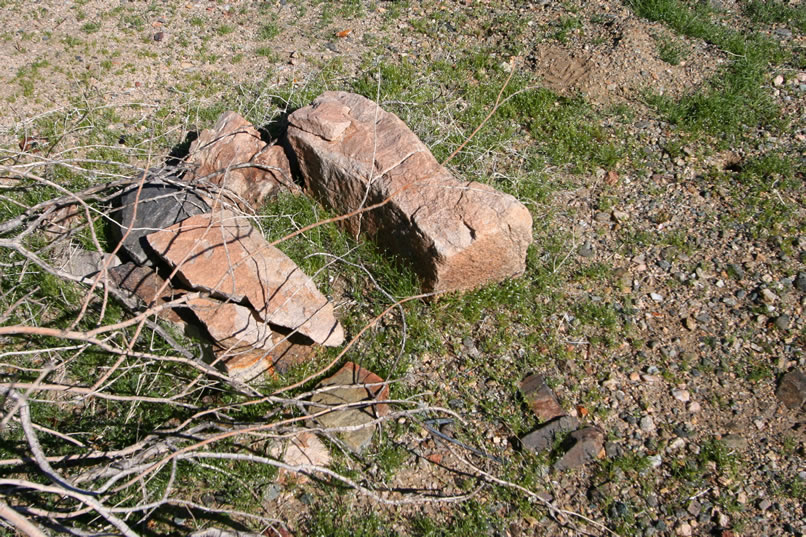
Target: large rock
[349,380]
[223,254]
[234,141]
[458,234]
[158,206]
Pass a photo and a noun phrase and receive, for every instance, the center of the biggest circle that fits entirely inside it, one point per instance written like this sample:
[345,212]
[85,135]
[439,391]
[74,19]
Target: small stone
[647,424]
[586,250]
[656,297]
[768,296]
[778,80]
[764,504]
[543,438]
[690,323]
[541,398]
[588,446]
[677,443]
[782,322]
[159,36]
[792,389]
[694,407]
[736,270]
[655,461]
[601,217]
[683,530]
[681,395]
[800,282]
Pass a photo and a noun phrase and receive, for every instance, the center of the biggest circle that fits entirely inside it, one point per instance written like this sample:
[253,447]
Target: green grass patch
[736,99]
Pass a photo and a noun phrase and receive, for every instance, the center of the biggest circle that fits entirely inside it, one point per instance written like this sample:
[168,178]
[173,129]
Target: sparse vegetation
[659,219]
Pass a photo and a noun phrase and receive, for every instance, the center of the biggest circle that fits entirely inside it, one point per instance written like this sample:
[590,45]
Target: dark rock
[782,322]
[543,438]
[792,390]
[159,36]
[588,446]
[159,205]
[800,282]
[541,398]
[586,250]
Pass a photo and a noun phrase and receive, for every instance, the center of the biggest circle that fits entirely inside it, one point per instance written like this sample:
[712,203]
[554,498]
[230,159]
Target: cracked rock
[233,141]
[223,254]
[458,234]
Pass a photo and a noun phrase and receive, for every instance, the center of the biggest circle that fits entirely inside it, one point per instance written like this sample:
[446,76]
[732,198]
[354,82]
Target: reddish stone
[458,234]
[223,254]
[234,141]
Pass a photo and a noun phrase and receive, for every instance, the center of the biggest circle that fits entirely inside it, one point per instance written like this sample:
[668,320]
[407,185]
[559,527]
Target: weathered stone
[233,142]
[349,378]
[541,398]
[230,325]
[458,234]
[223,254]
[544,437]
[158,206]
[147,286]
[86,263]
[792,390]
[305,449]
[588,446]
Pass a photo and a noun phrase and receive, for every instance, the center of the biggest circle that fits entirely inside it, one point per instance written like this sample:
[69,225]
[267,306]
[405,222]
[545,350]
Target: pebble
[778,80]
[586,250]
[682,395]
[768,296]
[656,297]
[800,282]
[782,322]
[683,530]
[159,36]
[694,407]
[677,443]
[647,424]
[655,460]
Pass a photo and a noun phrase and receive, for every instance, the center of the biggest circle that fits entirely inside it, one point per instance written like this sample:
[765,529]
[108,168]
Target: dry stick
[25,526]
[87,500]
[86,392]
[36,448]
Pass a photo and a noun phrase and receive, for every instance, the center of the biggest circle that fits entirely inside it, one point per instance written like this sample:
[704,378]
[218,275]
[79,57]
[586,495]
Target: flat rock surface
[543,438]
[223,254]
[349,379]
[158,205]
[458,234]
